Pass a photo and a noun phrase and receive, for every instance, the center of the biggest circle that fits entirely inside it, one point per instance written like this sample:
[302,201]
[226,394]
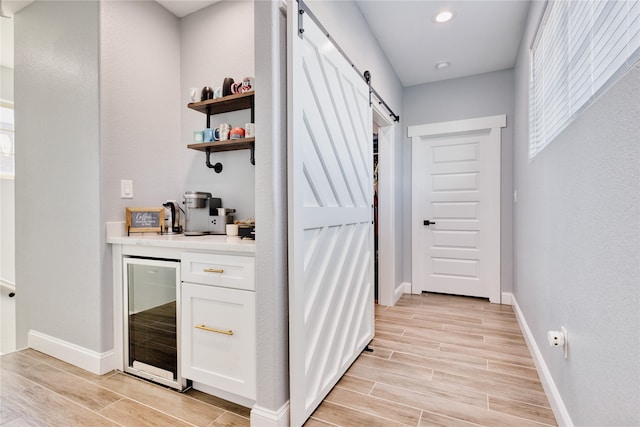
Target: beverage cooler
[151,320]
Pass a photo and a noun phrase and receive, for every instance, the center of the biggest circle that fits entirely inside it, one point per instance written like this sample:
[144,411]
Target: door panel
[456,186]
[330,163]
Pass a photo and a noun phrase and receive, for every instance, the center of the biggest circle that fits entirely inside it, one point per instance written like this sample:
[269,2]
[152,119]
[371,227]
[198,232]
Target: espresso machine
[204,214]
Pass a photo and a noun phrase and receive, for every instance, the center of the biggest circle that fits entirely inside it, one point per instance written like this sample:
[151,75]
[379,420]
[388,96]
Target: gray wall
[217,42]
[271,207]
[577,265]
[58,226]
[464,98]
[112,110]
[139,117]
[139,105]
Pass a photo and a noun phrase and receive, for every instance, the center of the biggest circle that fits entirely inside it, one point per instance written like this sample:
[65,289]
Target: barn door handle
[427,222]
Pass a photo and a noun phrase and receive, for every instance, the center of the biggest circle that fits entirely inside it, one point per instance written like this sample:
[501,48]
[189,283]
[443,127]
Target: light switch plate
[126,189]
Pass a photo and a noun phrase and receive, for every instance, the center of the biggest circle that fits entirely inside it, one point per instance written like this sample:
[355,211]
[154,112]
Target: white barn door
[330,178]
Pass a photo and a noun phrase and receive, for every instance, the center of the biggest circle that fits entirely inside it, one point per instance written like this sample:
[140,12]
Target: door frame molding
[417,133]
[387,294]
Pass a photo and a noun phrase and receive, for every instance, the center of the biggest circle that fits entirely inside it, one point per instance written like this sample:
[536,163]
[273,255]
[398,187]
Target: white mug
[249,130]
[232,229]
[194,94]
[225,129]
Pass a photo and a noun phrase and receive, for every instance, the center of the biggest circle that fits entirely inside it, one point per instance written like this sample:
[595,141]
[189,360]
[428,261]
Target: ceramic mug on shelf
[236,87]
[198,136]
[249,130]
[195,94]
[236,133]
[226,86]
[248,84]
[209,135]
[217,92]
[225,129]
[207,93]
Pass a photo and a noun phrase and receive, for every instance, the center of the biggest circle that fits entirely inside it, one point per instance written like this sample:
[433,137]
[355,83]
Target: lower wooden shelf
[228,145]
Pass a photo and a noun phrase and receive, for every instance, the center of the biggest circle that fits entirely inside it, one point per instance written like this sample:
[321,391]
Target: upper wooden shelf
[225,104]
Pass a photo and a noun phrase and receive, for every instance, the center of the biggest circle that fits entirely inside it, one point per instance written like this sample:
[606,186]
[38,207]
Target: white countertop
[116,236]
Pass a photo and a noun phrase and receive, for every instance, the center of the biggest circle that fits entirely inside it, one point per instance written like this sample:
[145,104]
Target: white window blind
[581,48]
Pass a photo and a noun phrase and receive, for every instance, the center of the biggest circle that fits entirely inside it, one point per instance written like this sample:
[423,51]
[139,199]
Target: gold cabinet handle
[218,331]
[213,270]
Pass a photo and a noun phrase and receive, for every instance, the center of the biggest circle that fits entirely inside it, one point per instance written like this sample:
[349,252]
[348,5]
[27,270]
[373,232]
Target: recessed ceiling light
[442,65]
[443,16]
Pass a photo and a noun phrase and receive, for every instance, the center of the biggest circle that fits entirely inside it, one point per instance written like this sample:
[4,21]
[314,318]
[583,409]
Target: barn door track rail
[303,9]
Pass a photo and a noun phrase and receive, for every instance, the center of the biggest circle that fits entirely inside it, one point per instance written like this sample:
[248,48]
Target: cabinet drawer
[219,339]
[229,271]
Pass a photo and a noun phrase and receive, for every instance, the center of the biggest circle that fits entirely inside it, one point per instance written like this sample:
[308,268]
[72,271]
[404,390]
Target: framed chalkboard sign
[143,220]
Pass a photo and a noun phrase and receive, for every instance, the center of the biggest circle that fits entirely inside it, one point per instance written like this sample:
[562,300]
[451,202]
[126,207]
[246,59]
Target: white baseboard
[507,298]
[89,360]
[404,288]
[262,417]
[222,394]
[553,394]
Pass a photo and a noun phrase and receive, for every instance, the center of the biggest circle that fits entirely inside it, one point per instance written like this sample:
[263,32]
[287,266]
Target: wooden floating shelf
[225,104]
[228,145]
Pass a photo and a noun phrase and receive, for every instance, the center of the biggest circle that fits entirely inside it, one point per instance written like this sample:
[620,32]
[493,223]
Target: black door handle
[427,222]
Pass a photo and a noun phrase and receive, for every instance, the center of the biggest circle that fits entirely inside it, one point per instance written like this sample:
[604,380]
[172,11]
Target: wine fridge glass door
[151,323]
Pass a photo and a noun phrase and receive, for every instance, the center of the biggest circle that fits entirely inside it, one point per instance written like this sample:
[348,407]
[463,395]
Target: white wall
[217,42]
[6,81]
[58,224]
[577,228]
[7,231]
[7,197]
[465,98]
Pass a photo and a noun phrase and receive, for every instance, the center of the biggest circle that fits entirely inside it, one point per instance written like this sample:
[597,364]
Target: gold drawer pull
[218,331]
[213,270]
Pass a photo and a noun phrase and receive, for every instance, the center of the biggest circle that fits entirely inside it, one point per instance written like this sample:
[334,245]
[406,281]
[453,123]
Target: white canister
[249,130]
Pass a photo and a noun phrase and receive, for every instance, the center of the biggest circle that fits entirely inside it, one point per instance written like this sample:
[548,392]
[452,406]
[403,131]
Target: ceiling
[483,36]
[182,8]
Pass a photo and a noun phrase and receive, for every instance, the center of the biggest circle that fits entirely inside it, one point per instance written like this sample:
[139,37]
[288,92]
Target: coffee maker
[204,214]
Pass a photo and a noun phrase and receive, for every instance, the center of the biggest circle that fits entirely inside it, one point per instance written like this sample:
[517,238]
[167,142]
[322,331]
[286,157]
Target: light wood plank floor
[440,360]
[437,361]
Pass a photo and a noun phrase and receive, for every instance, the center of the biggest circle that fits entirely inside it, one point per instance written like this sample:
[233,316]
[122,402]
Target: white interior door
[330,177]
[456,207]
